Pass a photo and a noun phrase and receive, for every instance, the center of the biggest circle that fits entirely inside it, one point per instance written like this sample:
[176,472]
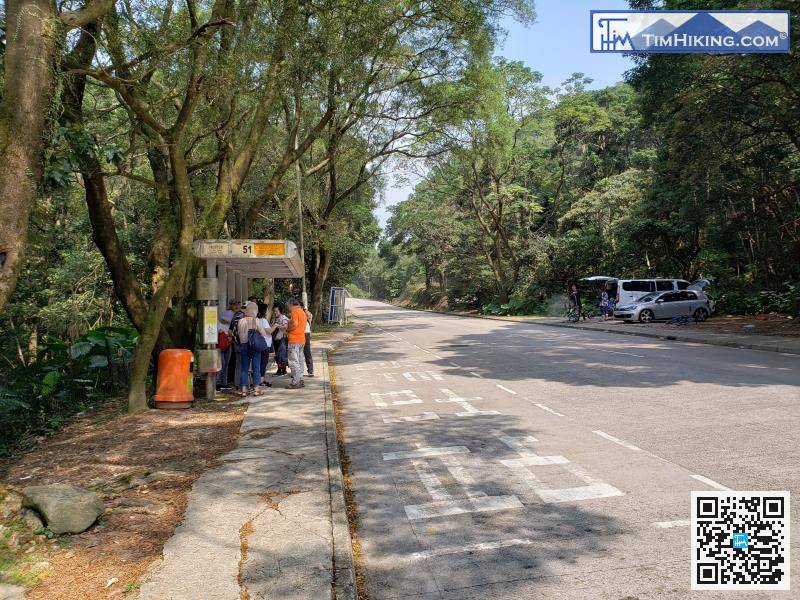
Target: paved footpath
[269,521]
[496,459]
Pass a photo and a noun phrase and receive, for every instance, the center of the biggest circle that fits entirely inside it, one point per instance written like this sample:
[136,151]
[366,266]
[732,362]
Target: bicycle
[572,315]
[680,320]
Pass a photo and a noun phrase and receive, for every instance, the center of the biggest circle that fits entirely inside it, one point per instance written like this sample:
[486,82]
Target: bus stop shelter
[236,263]
[231,267]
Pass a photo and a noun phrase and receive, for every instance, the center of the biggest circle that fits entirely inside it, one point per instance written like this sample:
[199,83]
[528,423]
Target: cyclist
[575,302]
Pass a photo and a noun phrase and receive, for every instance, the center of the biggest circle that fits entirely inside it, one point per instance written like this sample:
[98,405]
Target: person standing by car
[604,304]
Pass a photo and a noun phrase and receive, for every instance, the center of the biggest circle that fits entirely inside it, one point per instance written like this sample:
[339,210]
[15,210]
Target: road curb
[344,574]
[659,336]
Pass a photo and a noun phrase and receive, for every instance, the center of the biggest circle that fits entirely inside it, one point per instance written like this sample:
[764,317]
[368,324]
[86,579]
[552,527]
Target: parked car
[665,305]
[627,291]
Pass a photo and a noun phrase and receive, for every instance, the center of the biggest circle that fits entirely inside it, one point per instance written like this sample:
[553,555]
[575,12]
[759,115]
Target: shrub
[37,398]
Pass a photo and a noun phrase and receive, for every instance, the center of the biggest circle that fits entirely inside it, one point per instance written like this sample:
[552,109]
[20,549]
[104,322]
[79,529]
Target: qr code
[740,540]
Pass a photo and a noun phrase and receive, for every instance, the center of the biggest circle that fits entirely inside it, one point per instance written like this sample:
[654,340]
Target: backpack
[256,342]
[223,341]
[238,316]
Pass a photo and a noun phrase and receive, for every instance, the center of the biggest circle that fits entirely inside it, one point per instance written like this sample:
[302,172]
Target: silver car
[666,305]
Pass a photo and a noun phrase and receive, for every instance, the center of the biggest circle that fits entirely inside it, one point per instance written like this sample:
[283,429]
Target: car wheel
[700,315]
[646,316]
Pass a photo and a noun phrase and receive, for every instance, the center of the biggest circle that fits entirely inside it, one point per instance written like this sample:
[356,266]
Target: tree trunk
[318,284]
[104,231]
[27,93]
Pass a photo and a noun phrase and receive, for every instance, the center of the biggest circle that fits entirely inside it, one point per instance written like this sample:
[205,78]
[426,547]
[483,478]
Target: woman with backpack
[252,339]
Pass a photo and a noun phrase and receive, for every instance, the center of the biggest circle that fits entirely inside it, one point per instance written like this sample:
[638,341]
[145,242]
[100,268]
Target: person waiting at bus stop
[307,346]
[279,324]
[296,334]
[250,356]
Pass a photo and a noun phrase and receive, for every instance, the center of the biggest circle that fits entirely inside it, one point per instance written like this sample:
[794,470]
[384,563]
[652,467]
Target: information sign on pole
[209,324]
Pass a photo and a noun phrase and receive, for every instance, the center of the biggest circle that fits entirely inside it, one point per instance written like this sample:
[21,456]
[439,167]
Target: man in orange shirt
[296,333]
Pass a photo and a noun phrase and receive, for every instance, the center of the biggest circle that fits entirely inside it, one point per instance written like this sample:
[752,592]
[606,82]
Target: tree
[31,49]
[487,159]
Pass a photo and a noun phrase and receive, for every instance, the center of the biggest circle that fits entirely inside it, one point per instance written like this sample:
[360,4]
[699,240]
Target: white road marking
[469,548]
[426,416]
[389,377]
[595,488]
[710,482]
[616,352]
[461,475]
[469,410]
[548,409]
[425,452]
[457,366]
[431,481]
[439,357]
[410,398]
[392,364]
[505,389]
[671,524]
[423,376]
[527,457]
[478,375]
[611,438]
[445,508]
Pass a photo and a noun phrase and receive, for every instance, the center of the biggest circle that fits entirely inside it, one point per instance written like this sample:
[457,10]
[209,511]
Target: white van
[629,290]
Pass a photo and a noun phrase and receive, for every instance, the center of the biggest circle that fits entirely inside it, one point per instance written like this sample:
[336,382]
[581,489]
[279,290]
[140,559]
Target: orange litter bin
[174,379]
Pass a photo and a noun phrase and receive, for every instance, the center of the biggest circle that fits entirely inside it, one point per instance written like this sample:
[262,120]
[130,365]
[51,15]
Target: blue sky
[556,45]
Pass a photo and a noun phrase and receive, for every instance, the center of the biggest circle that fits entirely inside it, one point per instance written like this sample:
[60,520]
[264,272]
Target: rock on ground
[31,519]
[11,592]
[65,508]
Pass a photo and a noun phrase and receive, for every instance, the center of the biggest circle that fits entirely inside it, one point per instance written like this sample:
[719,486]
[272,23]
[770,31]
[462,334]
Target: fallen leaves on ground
[143,466]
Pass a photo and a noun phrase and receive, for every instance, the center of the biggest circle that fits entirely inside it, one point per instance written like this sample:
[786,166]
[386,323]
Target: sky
[556,45]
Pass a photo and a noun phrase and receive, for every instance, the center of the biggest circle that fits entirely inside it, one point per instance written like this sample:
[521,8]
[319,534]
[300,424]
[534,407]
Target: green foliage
[743,300]
[515,306]
[690,169]
[36,398]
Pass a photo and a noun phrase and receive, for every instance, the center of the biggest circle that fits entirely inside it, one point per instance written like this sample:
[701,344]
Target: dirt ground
[779,325]
[143,466]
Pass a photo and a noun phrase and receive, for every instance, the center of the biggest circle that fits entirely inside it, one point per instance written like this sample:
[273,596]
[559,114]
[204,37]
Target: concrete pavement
[498,459]
[270,520]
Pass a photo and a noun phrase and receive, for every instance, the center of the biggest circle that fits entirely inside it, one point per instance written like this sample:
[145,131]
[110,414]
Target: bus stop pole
[211,271]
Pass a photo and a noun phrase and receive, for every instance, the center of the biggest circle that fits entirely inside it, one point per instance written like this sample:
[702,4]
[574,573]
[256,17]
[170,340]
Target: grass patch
[19,569]
[323,328]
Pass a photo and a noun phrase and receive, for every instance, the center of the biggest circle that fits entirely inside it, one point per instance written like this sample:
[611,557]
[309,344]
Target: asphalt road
[505,460]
